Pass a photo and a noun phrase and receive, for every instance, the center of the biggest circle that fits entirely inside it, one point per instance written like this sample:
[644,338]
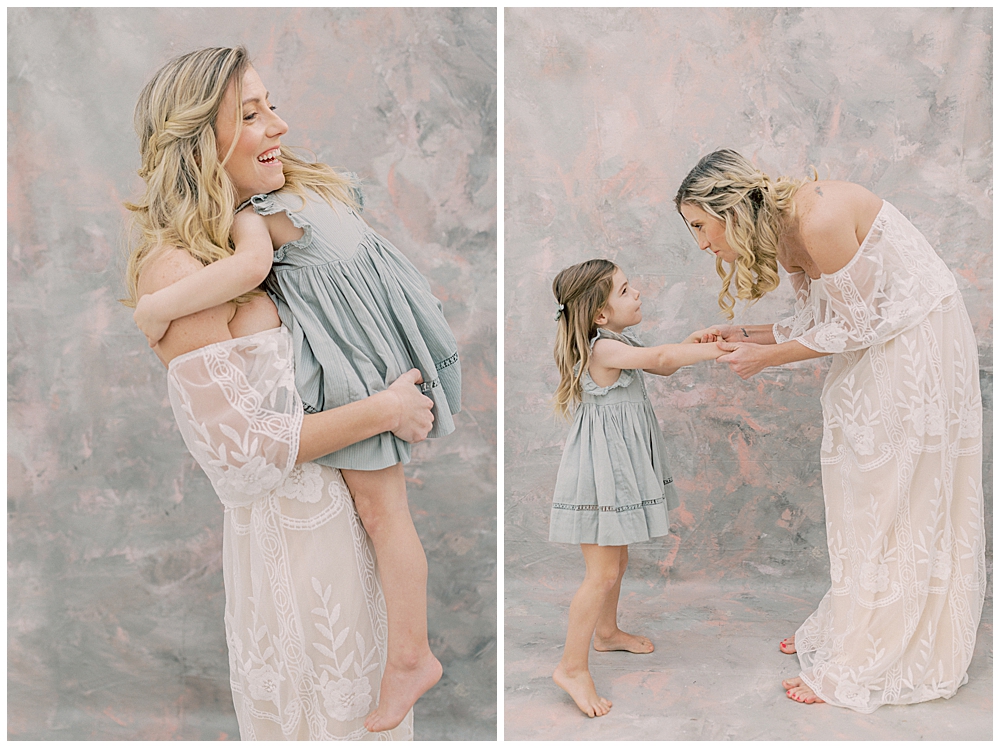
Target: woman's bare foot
[787,645]
[580,686]
[400,689]
[623,642]
[797,690]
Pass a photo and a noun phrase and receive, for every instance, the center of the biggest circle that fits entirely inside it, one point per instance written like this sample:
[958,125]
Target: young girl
[614,486]
[360,315]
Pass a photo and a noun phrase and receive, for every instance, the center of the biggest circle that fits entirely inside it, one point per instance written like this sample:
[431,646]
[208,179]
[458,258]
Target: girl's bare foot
[787,645]
[623,642]
[400,689]
[797,690]
[580,686]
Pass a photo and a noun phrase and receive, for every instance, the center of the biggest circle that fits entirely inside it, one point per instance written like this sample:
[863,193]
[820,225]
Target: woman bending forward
[902,422]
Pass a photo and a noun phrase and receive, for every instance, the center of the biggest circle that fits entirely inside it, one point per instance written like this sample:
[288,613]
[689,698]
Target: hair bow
[559,311]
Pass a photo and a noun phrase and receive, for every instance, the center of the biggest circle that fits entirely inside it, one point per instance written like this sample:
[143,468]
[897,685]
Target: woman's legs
[607,636]
[411,668]
[573,673]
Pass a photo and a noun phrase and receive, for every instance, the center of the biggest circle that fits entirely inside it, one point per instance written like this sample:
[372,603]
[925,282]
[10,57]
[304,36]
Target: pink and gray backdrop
[605,113]
[115,596]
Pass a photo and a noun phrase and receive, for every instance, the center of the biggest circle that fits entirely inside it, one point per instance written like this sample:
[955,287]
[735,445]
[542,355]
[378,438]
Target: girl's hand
[415,418]
[745,359]
[708,335]
[149,321]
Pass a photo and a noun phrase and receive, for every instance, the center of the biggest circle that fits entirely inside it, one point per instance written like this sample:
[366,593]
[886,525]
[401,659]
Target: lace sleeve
[802,319]
[893,281]
[239,413]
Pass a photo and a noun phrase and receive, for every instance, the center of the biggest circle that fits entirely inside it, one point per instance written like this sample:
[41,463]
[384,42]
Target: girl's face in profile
[709,232]
[623,308]
[253,166]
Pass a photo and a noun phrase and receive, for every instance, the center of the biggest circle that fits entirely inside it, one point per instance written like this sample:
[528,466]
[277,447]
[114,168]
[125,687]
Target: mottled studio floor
[715,674]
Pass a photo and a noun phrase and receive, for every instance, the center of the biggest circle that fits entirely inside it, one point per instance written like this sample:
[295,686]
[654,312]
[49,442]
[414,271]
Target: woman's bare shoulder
[166,265]
[819,203]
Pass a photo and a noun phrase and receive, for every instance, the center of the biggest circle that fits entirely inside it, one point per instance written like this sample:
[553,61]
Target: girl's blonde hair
[189,198]
[755,210]
[581,292]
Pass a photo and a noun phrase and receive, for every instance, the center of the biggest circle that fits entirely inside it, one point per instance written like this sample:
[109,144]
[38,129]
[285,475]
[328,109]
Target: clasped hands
[744,358]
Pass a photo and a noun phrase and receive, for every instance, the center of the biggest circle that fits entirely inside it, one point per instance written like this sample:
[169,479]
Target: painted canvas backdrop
[605,112]
[115,596]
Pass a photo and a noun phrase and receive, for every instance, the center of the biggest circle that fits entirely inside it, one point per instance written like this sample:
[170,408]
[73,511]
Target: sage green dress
[614,486]
[360,315]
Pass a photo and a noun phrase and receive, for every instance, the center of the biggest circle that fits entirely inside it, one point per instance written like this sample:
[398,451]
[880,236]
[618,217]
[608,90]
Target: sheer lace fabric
[305,617]
[902,474]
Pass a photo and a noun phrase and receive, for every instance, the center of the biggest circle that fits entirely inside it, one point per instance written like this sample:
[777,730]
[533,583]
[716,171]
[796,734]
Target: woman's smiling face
[709,232]
[253,164]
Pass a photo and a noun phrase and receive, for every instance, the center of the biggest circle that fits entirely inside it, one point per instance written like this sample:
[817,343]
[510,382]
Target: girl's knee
[604,579]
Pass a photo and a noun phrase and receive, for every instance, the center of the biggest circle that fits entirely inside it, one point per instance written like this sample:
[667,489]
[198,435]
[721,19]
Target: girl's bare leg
[608,637]
[573,673]
[411,668]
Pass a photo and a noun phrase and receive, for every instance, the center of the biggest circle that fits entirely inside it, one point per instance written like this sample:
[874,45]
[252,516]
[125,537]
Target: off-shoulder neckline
[864,243]
[221,344]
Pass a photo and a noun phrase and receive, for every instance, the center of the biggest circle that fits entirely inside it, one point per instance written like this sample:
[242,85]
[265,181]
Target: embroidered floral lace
[305,617]
[902,474]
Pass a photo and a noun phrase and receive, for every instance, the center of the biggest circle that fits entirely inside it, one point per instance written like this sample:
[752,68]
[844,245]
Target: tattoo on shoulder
[819,192]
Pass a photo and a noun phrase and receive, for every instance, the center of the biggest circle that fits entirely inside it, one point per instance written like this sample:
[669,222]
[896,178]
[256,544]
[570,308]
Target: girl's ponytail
[581,292]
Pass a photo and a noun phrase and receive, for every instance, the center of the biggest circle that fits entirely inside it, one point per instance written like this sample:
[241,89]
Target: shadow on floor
[715,675]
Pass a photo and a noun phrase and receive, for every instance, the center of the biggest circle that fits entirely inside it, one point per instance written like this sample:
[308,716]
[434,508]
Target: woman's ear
[601,318]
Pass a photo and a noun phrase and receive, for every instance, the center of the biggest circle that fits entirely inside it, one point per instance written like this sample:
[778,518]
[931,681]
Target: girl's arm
[663,360]
[401,408]
[214,284]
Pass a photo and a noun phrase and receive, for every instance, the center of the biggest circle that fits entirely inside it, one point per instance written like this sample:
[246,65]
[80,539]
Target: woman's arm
[664,360]
[760,334]
[214,284]
[401,409]
[747,359]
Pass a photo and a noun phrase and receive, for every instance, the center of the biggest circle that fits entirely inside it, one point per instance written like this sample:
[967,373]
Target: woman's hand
[745,359]
[149,321]
[415,418]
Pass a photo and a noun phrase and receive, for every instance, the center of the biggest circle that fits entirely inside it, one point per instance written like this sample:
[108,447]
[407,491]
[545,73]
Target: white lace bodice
[895,279]
[305,616]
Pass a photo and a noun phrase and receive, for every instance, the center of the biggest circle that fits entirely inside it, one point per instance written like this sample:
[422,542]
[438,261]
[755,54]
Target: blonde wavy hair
[581,292]
[755,210]
[189,198]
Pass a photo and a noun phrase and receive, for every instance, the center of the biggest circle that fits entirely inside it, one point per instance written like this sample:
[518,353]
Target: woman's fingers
[415,417]
[413,376]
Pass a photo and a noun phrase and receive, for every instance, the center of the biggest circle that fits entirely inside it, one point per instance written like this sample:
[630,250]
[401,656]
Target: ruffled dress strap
[629,338]
[625,378]
[273,202]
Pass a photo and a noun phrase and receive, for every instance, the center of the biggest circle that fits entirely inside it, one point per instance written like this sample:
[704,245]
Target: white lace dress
[305,616]
[902,474]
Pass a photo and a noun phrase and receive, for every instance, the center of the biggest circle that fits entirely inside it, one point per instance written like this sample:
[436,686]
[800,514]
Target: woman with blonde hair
[902,422]
[306,621]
